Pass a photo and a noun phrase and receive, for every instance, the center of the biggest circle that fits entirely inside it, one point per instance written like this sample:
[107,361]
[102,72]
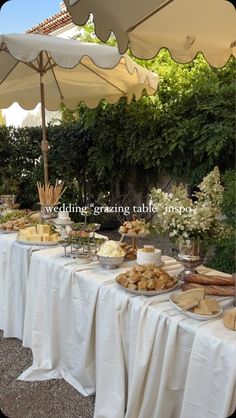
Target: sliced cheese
[45,237]
[54,237]
[207,307]
[43,229]
[193,293]
[24,233]
[188,302]
[35,237]
[40,229]
[41,233]
[31,229]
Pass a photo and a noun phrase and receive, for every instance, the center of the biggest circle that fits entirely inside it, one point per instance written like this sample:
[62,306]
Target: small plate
[147,292]
[39,243]
[192,314]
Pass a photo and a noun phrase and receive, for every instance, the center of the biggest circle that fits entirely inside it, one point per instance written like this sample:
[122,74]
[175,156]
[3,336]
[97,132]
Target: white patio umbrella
[38,68]
[185,27]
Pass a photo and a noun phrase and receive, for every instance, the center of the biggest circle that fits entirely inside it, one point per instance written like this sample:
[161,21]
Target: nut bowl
[110,263]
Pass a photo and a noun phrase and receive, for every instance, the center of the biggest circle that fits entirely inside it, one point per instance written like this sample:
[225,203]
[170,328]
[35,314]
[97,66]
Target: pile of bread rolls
[130,252]
[146,278]
[14,225]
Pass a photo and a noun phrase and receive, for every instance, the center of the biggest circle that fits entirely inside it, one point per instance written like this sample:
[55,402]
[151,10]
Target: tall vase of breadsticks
[49,197]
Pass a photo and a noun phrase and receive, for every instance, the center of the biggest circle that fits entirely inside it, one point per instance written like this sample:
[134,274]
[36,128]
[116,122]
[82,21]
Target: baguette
[212,280]
[211,289]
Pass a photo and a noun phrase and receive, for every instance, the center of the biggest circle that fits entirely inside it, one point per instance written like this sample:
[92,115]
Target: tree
[2,119]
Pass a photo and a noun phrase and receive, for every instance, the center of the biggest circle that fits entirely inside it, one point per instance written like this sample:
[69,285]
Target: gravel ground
[48,399]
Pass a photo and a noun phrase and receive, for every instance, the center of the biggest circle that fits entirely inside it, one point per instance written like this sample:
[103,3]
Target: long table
[143,358]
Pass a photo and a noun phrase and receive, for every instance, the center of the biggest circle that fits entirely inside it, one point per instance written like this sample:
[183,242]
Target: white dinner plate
[147,292]
[39,243]
[192,314]
[8,232]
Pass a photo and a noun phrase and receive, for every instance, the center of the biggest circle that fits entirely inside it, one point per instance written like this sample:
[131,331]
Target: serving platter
[38,243]
[162,263]
[132,235]
[192,314]
[148,292]
[8,232]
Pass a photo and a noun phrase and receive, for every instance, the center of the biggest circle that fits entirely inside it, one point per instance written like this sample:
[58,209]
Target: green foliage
[223,257]
[190,121]
[229,201]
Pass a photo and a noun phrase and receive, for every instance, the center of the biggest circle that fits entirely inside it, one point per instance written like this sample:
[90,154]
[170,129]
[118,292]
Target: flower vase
[190,254]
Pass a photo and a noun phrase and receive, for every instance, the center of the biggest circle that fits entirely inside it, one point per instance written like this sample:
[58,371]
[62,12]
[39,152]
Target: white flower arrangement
[184,219]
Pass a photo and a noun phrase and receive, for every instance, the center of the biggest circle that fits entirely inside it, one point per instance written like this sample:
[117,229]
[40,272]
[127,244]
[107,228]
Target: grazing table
[143,358]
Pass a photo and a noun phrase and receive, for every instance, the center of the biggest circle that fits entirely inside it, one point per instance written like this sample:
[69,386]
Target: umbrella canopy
[185,27]
[50,70]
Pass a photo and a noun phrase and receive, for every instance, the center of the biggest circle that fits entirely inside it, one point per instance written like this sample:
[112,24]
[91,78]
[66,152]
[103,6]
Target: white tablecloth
[143,358]
[159,363]
[60,319]
[15,261]
[6,242]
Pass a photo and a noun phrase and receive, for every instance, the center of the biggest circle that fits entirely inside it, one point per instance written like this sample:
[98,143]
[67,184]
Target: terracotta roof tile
[52,24]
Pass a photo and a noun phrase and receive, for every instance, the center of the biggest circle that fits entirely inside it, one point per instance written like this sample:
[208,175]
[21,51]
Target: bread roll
[211,290]
[212,280]
[230,319]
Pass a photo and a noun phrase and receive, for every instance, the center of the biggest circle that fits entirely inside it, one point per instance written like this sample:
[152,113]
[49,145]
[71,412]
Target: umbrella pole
[44,143]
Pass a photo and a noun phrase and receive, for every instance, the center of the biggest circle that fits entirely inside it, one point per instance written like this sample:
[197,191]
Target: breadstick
[50,195]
